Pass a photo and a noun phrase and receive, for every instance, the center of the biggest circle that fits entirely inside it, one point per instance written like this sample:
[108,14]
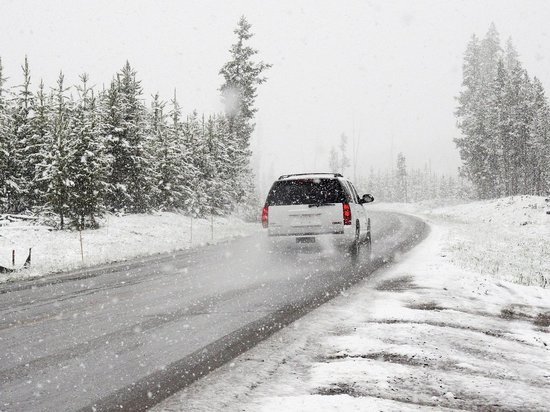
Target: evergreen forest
[73,152]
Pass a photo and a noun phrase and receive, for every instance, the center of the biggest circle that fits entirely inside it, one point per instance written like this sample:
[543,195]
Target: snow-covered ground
[507,238]
[118,238]
[440,330]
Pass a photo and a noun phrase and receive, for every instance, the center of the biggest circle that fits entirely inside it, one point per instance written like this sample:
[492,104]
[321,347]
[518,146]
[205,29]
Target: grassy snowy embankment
[118,238]
[507,238]
[439,330]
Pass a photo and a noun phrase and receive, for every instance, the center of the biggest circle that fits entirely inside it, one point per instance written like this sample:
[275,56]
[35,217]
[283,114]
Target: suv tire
[368,242]
[355,248]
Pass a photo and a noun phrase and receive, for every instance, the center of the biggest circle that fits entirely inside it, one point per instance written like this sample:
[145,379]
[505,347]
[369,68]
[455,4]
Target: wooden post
[212,227]
[13,258]
[81,246]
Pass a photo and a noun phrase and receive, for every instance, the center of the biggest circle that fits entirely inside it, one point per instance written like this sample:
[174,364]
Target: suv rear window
[305,192]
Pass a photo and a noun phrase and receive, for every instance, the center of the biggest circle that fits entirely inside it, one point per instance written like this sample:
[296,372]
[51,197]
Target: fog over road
[132,334]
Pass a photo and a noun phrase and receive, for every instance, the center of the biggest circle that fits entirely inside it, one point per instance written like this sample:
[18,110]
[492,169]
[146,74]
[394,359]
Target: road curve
[126,336]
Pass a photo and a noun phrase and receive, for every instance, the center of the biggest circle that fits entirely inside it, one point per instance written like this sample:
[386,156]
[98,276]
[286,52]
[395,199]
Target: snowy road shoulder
[507,238]
[423,334]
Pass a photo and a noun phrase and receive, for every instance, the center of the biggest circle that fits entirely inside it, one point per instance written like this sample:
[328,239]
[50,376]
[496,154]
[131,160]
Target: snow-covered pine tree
[131,179]
[388,185]
[58,156]
[217,166]
[479,70]
[443,192]
[487,157]
[344,159]
[19,172]
[4,140]
[184,169]
[415,185]
[516,114]
[497,144]
[500,118]
[222,143]
[209,164]
[87,162]
[401,178]
[193,139]
[490,53]
[171,160]
[368,185]
[164,154]
[338,159]
[114,148]
[470,143]
[539,141]
[241,76]
[523,118]
[40,145]
[452,187]
[507,95]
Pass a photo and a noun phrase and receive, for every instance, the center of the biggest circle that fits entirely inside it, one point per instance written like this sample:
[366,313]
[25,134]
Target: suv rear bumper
[275,234]
[307,240]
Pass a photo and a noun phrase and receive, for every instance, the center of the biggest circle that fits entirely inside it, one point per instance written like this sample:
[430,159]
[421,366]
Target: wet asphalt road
[126,336]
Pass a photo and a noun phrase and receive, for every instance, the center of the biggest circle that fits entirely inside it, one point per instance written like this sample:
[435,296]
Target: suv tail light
[347,213]
[265,216]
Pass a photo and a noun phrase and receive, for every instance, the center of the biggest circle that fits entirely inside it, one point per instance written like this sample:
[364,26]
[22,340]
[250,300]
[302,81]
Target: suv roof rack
[306,174]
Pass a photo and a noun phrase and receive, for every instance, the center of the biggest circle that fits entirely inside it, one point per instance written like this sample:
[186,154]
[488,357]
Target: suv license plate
[305,240]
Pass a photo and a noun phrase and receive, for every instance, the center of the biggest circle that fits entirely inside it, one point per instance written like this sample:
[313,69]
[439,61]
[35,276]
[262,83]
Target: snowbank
[119,238]
[506,238]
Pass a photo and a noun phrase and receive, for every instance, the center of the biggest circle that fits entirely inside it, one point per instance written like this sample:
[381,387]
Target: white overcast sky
[386,71]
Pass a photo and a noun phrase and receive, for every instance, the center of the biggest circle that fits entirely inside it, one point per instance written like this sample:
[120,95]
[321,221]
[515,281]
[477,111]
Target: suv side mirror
[367,199]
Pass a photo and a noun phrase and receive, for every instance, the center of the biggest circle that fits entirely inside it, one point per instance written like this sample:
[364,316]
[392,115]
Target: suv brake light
[347,213]
[265,216]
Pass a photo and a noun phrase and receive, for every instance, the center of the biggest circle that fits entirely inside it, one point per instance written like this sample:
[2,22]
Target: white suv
[321,208]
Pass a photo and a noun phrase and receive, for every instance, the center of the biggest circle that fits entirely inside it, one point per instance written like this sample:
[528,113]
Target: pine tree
[209,163]
[197,204]
[490,53]
[522,118]
[186,171]
[166,188]
[39,148]
[19,171]
[501,116]
[338,159]
[241,78]
[344,159]
[4,141]
[57,170]
[220,165]
[401,178]
[131,179]
[471,113]
[511,56]
[173,167]
[87,162]
[539,141]
[497,145]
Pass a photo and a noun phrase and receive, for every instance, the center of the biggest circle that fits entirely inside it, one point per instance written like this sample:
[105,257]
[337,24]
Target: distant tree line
[402,184]
[77,152]
[504,118]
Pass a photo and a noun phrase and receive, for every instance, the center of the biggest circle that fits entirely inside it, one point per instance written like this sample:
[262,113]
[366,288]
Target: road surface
[126,336]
